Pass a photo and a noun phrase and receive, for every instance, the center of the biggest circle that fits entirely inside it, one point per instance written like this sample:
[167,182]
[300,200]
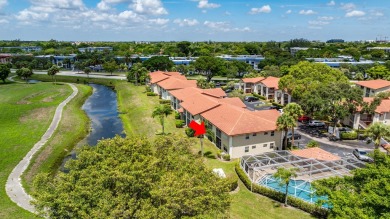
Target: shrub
[226,157]
[148,89]
[179,123]
[177,115]
[165,102]
[219,153]
[277,104]
[232,183]
[278,196]
[190,132]
[258,96]
[151,94]
[312,144]
[349,135]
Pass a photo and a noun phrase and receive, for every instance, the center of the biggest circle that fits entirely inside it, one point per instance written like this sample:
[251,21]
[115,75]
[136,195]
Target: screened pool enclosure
[261,168]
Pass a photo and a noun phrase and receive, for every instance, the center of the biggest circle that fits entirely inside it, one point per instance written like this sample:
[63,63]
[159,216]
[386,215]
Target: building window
[254,134]
[247,136]
[254,147]
[272,133]
[271,145]
[265,145]
[246,149]
[265,133]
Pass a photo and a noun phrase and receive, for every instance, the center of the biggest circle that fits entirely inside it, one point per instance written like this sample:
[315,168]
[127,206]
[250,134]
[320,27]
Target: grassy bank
[136,109]
[73,127]
[77,80]
[26,112]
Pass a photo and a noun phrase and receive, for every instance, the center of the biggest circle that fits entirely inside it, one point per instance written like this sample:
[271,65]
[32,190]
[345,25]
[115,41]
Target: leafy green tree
[359,76]
[87,71]
[138,73]
[285,176]
[284,123]
[52,71]
[4,72]
[161,112]
[133,178]
[203,84]
[110,66]
[184,47]
[252,75]
[162,63]
[376,131]
[312,144]
[295,111]
[210,66]
[378,72]
[24,73]
[365,194]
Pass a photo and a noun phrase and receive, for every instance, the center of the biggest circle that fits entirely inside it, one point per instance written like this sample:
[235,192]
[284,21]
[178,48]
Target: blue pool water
[298,188]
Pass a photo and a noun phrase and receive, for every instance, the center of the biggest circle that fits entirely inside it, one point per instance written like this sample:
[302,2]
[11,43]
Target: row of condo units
[267,87]
[237,130]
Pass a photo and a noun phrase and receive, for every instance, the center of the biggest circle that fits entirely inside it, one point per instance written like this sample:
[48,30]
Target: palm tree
[285,122]
[376,131]
[161,112]
[295,111]
[138,72]
[285,175]
[87,70]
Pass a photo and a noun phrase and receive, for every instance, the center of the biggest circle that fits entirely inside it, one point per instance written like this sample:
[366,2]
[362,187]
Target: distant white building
[386,49]
[95,49]
[294,50]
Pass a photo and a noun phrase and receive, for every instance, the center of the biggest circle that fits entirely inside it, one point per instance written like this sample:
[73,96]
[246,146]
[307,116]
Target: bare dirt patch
[38,114]
[23,101]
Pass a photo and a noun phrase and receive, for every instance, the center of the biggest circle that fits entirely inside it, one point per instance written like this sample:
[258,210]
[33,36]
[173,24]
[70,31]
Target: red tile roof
[235,101]
[173,83]
[158,76]
[384,106]
[237,121]
[271,82]
[374,84]
[198,103]
[252,80]
[316,153]
[181,94]
[214,92]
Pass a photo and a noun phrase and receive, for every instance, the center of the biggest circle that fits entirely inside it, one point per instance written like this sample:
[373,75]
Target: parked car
[296,136]
[252,99]
[304,119]
[362,155]
[316,123]
[228,90]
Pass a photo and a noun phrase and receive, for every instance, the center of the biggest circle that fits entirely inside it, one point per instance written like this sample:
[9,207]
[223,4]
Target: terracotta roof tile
[157,77]
[384,107]
[271,82]
[181,94]
[198,103]
[316,153]
[236,121]
[214,92]
[235,101]
[252,80]
[374,84]
[172,83]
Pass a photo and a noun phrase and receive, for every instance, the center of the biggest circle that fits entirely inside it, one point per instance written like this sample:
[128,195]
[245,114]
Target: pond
[102,110]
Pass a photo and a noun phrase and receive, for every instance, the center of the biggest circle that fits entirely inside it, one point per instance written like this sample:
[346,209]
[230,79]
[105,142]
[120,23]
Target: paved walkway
[83,75]
[14,186]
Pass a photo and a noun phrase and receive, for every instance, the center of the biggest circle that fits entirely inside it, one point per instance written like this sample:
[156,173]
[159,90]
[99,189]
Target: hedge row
[165,102]
[151,94]
[179,123]
[258,96]
[232,183]
[278,196]
[349,135]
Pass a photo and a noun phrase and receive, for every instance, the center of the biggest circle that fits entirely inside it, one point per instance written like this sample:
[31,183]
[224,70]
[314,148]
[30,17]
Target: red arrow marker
[199,129]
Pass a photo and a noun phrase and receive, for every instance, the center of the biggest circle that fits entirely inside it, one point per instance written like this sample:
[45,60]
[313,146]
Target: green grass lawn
[77,80]
[73,127]
[26,112]
[136,109]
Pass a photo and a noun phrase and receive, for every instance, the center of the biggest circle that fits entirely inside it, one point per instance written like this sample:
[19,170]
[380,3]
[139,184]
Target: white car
[316,123]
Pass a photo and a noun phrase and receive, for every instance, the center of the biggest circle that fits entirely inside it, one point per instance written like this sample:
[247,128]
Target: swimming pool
[297,188]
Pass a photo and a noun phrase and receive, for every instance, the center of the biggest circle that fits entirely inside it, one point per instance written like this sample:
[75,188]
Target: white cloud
[318,23]
[4,21]
[104,6]
[153,7]
[28,16]
[3,3]
[355,13]
[325,18]
[224,27]
[186,22]
[288,12]
[227,13]
[331,3]
[308,12]
[206,4]
[264,9]
[348,6]
[159,21]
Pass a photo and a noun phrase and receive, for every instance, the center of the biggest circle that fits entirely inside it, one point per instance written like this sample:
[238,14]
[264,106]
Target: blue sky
[193,20]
